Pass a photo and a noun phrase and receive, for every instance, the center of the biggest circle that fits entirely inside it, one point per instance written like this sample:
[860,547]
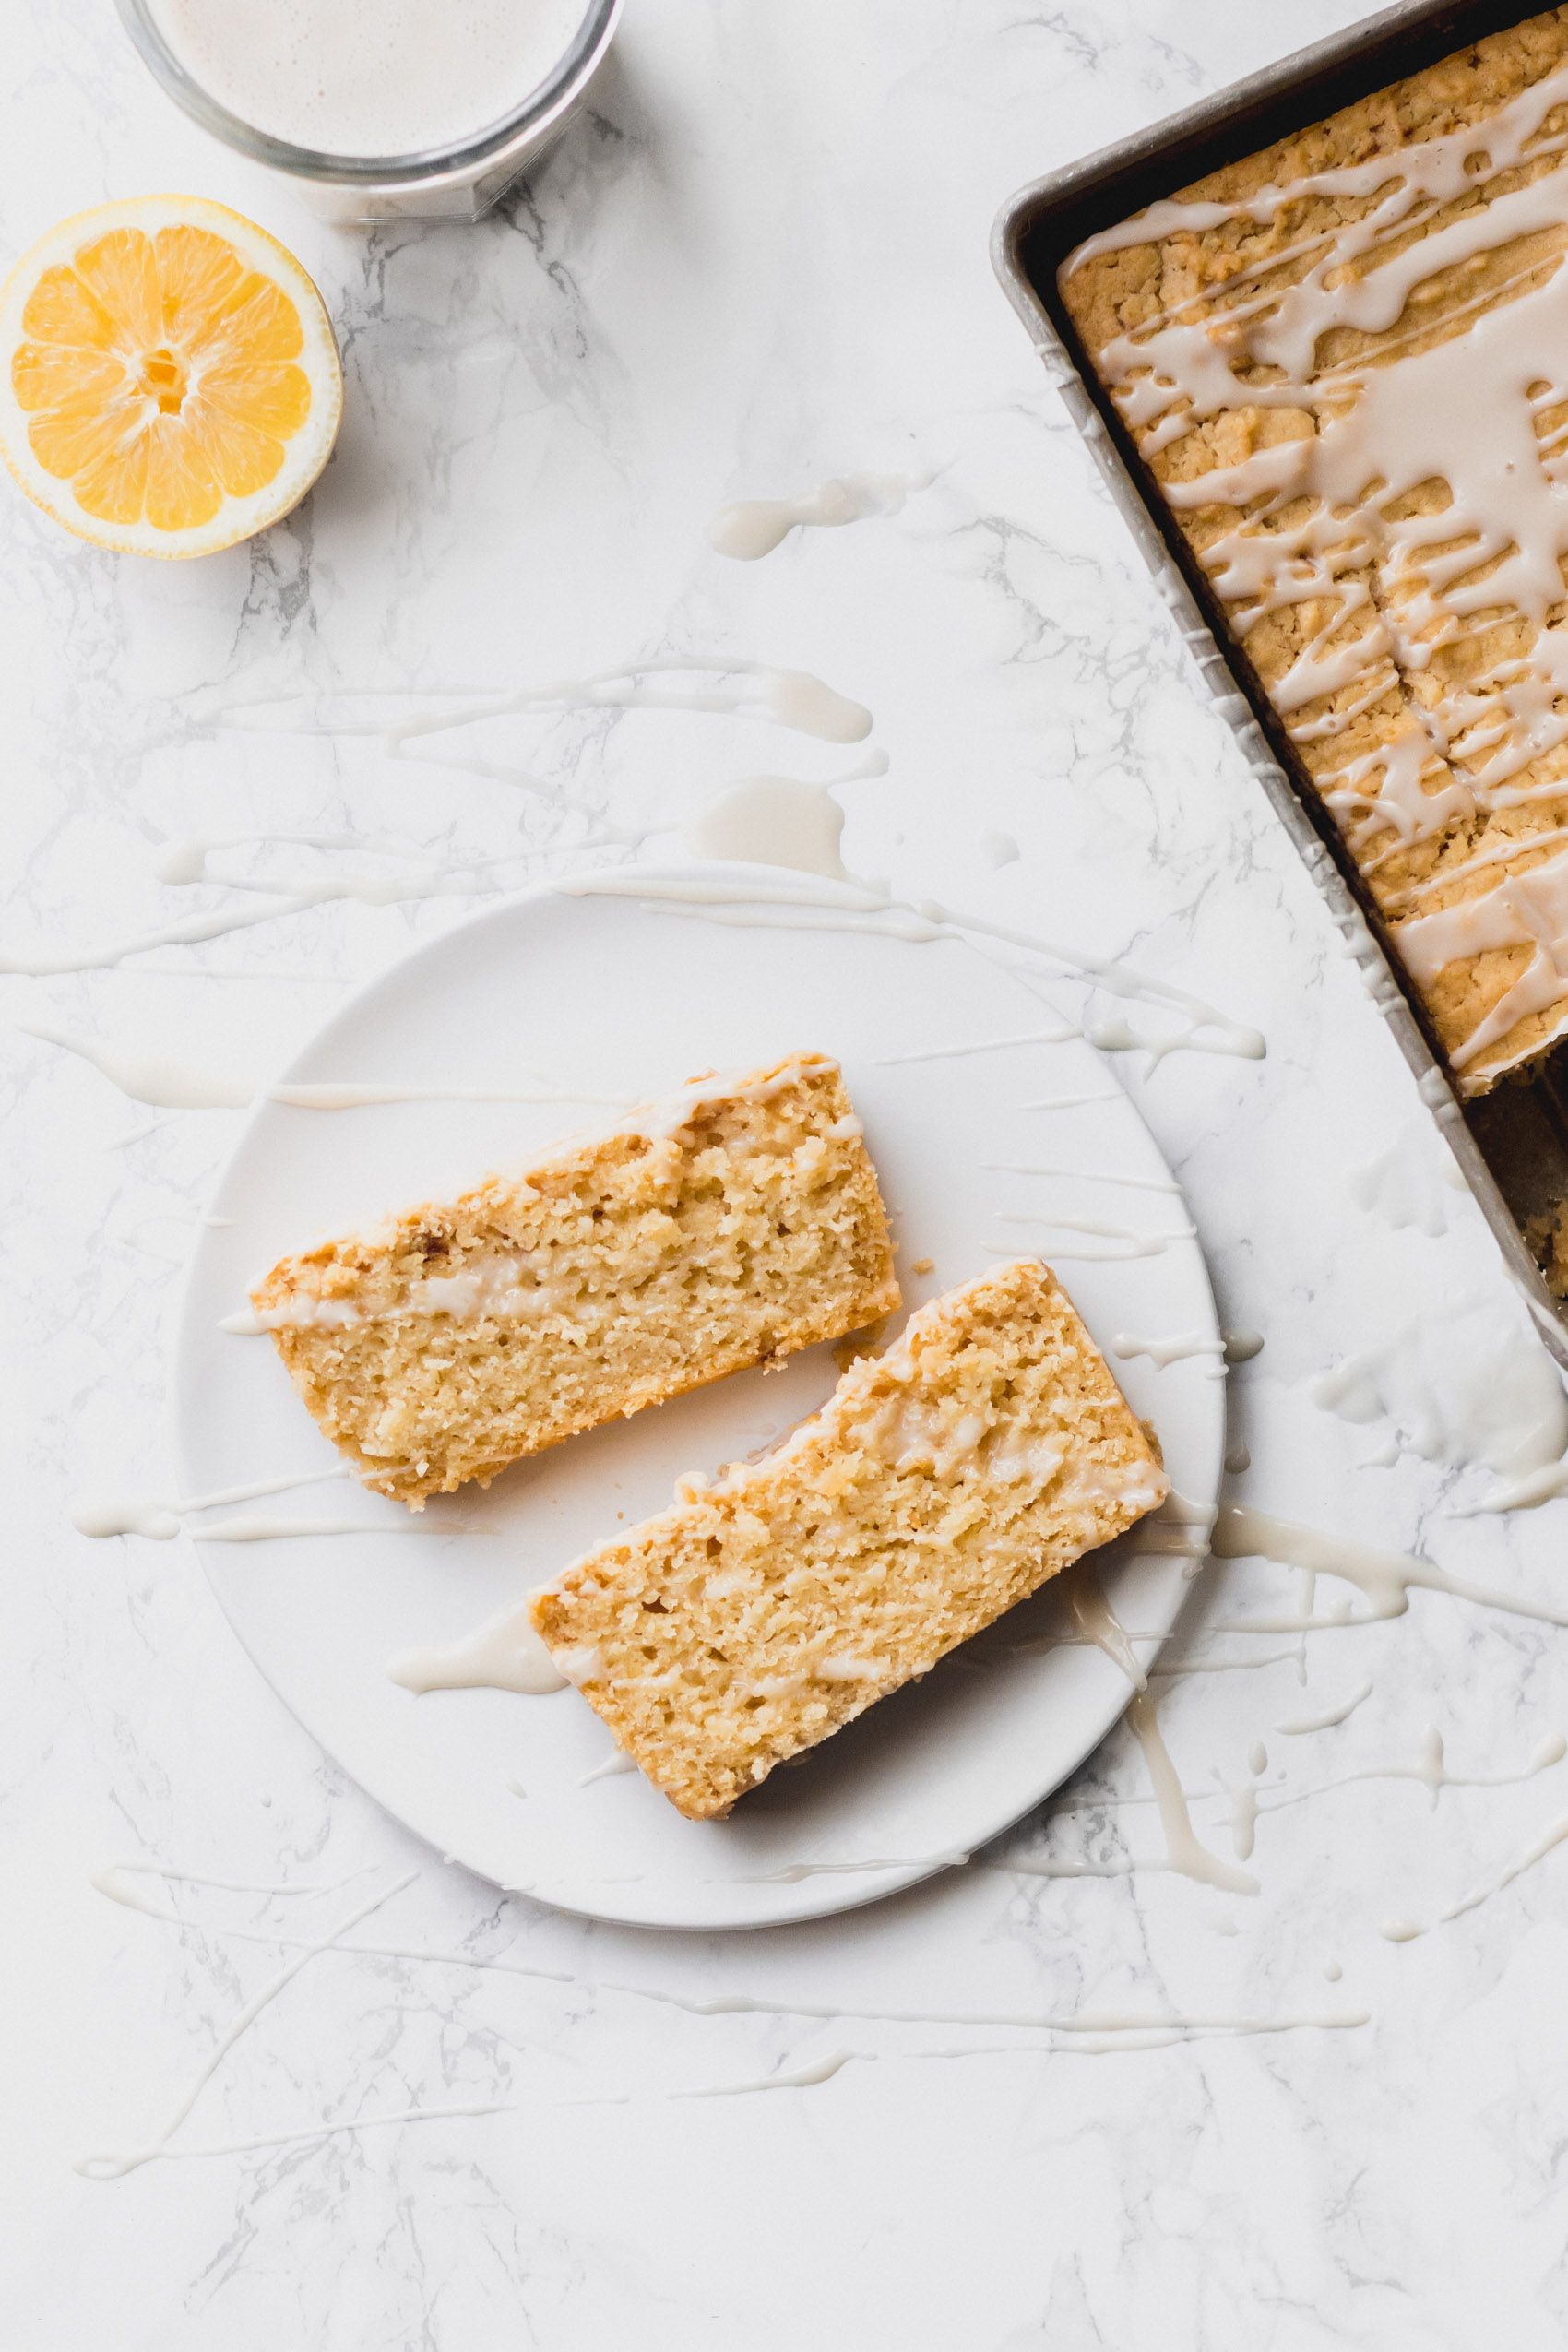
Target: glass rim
[549,97]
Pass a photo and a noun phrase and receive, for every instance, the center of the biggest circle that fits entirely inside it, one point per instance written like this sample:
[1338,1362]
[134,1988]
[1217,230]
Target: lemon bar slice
[728,1225]
[940,1484]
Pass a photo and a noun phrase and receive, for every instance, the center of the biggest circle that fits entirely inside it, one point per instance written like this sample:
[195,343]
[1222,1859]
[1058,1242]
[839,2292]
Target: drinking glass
[452,182]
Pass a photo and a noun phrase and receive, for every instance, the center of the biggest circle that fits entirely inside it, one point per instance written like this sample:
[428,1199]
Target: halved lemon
[171,381]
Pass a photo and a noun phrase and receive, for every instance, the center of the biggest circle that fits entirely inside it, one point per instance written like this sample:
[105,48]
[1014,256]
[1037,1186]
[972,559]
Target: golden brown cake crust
[1404,742]
[941,1483]
[728,1226]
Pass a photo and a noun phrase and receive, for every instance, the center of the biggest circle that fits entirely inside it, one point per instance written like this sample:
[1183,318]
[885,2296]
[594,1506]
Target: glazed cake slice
[727,1225]
[940,1484]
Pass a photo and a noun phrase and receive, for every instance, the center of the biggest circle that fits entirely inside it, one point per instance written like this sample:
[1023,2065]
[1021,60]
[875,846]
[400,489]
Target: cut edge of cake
[411,1342]
[760,1613]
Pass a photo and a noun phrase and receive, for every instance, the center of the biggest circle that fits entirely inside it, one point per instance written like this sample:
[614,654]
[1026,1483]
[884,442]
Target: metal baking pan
[1512,1145]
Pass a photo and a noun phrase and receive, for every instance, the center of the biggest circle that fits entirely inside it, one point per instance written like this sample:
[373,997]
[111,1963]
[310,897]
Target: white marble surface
[762,261]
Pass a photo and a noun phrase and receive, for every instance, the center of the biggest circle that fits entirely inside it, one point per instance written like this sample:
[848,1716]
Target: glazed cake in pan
[1345,361]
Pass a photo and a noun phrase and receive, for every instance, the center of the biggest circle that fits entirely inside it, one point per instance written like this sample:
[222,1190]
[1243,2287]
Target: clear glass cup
[449,184]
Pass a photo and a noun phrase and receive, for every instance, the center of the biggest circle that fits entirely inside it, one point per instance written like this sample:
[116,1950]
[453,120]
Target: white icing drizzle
[1175,1350]
[193,932]
[1088,2038]
[792,698]
[1465,412]
[1329,1718]
[998,849]
[504,1653]
[1525,1493]
[1179,1527]
[990,1045]
[1087,2031]
[1084,1176]
[116,1882]
[352,1095]
[146,1515]
[1463,1386]
[797,2078]
[777,821]
[151,1078]
[184,863]
[1138,1241]
[1431,1769]
[1406,1930]
[580,1666]
[1068,1102]
[1403,1185]
[308,2137]
[1093,1620]
[806,903]
[616,1762]
[755,527]
[1386,1578]
[113,2165]
[168,1084]
[1170,1667]
[1184,1851]
[268,1530]
[791,1874]
[416,875]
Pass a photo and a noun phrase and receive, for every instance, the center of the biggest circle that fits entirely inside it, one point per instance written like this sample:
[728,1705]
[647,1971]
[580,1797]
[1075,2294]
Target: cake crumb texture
[941,1483]
[724,1227]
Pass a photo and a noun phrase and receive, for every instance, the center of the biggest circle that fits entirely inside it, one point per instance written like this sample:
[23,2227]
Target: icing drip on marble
[1386,1579]
[112,2165]
[1329,1718]
[1403,1185]
[810,904]
[1463,1387]
[168,1084]
[752,527]
[777,821]
[792,698]
[154,1079]
[1185,1852]
[1406,1930]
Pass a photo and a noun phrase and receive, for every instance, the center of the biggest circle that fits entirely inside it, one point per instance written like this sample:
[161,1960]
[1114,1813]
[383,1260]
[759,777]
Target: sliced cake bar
[940,1484]
[727,1225]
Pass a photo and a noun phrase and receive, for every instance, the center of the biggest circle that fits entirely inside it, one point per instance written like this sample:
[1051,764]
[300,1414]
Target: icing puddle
[752,527]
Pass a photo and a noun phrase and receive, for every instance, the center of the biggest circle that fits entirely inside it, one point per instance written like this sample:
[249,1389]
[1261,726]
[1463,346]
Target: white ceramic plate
[624,997]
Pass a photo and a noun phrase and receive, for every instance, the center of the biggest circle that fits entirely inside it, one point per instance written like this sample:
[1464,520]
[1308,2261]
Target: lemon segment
[169,378]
